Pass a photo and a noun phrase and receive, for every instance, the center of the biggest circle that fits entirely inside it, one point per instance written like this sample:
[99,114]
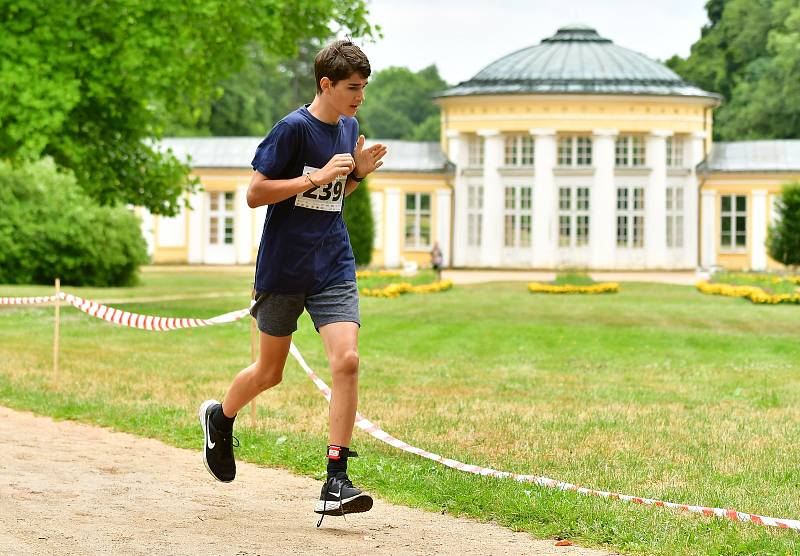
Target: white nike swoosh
[336,494]
[210,444]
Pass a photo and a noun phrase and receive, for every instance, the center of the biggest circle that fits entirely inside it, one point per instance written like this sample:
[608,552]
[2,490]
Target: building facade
[574,152]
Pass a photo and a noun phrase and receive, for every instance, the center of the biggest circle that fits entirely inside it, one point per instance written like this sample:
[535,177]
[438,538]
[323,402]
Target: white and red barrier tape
[374,430]
[125,318]
[145,322]
[26,300]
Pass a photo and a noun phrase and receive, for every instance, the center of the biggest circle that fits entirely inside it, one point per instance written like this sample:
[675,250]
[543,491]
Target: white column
[243,227]
[197,228]
[376,204]
[392,234]
[443,210]
[655,200]
[708,235]
[693,155]
[492,232]
[544,198]
[758,227]
[458,156]
[603,201]
[148,224]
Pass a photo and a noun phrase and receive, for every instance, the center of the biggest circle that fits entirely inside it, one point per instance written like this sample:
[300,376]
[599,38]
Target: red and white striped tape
[26,300]
[125,318]
[374,430]
[147,322]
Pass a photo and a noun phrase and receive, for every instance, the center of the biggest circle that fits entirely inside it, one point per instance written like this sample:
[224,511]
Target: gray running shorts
[277,313]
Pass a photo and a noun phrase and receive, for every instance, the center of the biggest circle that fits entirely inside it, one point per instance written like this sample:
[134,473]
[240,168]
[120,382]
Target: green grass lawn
[658,391]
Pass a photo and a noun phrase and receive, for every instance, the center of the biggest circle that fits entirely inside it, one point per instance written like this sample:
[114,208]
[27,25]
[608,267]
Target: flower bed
[399,288]
[755,294]
[602,287]
[377,274]
[573,282]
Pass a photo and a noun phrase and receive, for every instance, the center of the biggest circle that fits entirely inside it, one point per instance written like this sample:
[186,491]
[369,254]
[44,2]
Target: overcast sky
[463,36]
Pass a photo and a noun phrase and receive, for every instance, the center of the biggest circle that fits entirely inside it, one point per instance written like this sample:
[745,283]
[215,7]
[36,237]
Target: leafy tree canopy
[749,51]
[92,83]
[398,101]
[399,104]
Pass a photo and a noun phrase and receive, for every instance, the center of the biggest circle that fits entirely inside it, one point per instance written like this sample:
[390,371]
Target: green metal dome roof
[576,60]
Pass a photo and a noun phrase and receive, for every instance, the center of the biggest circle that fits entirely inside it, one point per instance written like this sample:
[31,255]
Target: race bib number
[326,196]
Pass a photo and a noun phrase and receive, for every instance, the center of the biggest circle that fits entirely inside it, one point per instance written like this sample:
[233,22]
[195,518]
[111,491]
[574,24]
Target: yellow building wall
[411,182]
[734,183]
[211,180]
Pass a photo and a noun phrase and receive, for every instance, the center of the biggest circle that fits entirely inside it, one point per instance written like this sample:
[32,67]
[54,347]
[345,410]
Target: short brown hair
[339,60]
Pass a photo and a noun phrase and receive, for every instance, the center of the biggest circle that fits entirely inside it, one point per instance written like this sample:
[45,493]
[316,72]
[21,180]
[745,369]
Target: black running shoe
[340,497]
[217,447]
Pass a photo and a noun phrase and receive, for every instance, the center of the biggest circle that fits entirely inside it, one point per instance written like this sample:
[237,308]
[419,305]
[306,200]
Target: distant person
[436,260]
[311,160]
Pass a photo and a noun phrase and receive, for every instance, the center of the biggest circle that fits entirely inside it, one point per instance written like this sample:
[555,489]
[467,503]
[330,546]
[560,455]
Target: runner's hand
[369,159]
[339,165]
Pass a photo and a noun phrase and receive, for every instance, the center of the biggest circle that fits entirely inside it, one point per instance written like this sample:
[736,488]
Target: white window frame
[575,213]
[221,217]
[675,151]
[519,150]
[574,151]
[474,215]
[630,151]
[518,209]
[734,214]
[630,217]
[675,203]
[415,216]
[475,151]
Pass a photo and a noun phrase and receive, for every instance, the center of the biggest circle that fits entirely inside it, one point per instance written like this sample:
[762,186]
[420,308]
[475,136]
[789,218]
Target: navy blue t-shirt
[304,246]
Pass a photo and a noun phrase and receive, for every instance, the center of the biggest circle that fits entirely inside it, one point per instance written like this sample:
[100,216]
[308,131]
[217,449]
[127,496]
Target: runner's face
[347,95]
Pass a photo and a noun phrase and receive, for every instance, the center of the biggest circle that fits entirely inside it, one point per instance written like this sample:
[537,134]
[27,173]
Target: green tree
[268,87]
[399,104]
[783,239]
[92,84]
[750,53]
[360,224]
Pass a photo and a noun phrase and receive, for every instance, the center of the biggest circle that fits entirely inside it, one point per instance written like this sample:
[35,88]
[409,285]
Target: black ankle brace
[337,459]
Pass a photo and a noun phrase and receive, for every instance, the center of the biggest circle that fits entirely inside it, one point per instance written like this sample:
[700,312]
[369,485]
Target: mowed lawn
[658,391]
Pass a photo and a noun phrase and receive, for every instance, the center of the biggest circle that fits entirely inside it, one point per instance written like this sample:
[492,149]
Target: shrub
[49,228]
[783,240]
[360,225]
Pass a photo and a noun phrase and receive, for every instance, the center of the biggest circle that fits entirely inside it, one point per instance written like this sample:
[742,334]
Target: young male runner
[310,161]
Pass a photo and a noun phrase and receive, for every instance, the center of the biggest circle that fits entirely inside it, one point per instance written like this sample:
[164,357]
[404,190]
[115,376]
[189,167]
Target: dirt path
[68,488]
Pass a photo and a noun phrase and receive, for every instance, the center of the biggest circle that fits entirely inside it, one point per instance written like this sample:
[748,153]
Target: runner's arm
[264,191]
[350,186]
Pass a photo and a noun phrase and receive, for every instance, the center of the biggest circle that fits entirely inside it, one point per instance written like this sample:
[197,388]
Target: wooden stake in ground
[253,357]
[56,331]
